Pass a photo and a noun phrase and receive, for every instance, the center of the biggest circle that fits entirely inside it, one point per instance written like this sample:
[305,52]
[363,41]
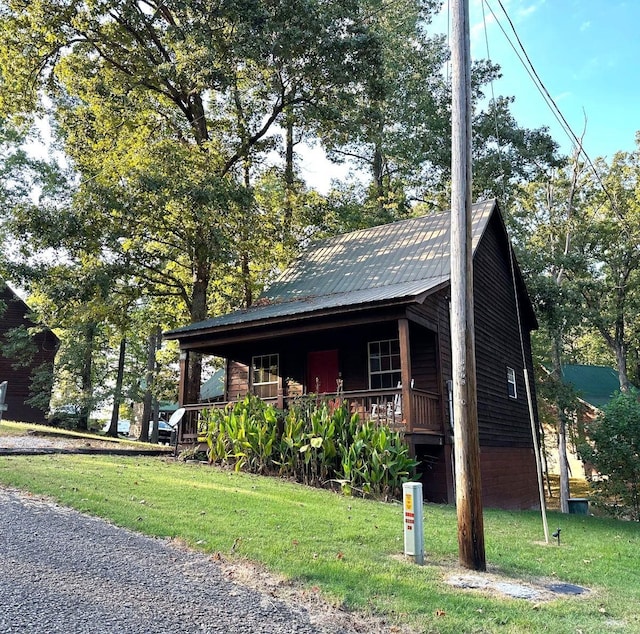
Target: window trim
[390,356]
[512,385]
[255,385]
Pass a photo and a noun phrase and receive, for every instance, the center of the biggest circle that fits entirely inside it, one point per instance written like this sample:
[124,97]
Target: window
[265,375]
[384,364]
[511,383]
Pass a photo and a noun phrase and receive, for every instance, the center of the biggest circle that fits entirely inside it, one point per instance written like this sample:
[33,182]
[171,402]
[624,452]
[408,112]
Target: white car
[124,425]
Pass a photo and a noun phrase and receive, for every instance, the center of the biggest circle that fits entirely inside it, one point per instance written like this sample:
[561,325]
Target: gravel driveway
[61,571]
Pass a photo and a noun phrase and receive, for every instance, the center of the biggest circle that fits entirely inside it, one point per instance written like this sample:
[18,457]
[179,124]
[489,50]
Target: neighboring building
[367,314]
[14,313]
[594,386]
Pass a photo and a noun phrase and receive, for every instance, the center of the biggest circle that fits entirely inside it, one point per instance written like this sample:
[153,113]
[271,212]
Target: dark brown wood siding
[352,345]
[14,315]
[424,359]
[509,478]
[503,421]
[237,380]
[435,312]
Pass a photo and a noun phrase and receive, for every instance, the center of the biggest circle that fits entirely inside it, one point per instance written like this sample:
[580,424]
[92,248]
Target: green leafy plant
[613,447]
[315,442]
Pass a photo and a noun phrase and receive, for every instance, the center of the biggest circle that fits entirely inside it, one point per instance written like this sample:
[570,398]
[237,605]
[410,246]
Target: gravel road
[61,571]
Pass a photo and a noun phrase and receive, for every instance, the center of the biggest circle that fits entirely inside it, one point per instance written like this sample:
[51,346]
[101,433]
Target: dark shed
[14,313]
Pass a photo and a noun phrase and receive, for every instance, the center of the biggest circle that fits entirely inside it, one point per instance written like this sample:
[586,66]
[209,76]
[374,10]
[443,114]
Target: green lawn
[351,549]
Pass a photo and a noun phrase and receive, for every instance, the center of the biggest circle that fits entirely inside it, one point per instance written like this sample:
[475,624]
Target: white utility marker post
[413,525]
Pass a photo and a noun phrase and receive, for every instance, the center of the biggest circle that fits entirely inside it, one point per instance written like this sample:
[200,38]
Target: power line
[542,89]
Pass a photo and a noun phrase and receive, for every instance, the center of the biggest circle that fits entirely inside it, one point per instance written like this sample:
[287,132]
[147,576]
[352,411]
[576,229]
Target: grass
[13,428]
[351,549]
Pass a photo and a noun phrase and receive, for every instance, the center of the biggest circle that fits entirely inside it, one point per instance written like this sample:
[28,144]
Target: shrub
[313,442]
[613,447]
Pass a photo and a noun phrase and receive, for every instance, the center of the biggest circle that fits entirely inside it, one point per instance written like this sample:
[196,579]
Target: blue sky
[587,53]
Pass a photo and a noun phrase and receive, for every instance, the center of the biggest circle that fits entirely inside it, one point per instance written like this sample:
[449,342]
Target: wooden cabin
[14,313]
[366,314]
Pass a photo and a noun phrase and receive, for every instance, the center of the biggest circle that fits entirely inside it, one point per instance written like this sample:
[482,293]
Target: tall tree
[164,107]
[608,270]
[545,219]
[395,128]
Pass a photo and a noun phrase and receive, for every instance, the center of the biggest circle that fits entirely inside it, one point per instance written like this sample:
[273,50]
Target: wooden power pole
[471,551]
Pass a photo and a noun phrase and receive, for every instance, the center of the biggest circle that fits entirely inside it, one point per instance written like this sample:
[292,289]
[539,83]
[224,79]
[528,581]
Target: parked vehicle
[124,425]
[64,416]
[164,431]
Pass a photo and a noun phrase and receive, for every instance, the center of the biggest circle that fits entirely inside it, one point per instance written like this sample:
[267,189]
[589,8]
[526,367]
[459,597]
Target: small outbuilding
[20,370]
[365,316]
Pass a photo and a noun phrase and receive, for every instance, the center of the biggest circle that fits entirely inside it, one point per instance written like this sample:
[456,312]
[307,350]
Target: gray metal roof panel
[312,304]
[408,250]
[393,261]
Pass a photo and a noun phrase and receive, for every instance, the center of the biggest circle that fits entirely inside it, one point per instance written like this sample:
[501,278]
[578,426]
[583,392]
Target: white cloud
[585,26]
[525,12]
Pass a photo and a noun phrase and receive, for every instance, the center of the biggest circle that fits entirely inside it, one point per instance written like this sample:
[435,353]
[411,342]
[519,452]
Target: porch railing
[383,406]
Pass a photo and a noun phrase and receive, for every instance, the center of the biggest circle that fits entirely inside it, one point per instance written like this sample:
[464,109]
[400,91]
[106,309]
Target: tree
[607,269]
[545,220]
[164,109]
[396,127]
[613,448]
[507,157]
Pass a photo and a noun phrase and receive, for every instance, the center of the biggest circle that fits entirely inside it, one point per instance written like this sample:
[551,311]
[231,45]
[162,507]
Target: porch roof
[293,307]
[401,260]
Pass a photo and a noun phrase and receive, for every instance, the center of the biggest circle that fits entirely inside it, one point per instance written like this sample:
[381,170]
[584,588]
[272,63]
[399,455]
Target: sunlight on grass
[13,428]
[352,548]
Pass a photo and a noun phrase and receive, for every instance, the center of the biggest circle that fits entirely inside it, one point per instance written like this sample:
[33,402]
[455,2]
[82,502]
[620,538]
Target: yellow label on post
[408,501]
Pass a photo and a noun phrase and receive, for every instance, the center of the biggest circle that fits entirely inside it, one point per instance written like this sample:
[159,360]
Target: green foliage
[614,450]
[242,434]
[19,346]
[315,444]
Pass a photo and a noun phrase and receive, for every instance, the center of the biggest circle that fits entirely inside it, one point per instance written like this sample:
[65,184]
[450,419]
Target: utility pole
[471,551]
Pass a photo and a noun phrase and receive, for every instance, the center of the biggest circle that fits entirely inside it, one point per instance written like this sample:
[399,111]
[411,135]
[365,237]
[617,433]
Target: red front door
[322,371]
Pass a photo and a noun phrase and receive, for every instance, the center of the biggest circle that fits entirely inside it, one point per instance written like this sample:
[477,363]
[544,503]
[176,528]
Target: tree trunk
[564,464]
[197,118]
[378,179]
[246,279]
[621,364]
[117,392]
[245,271]
[156,404]
[147,400]
[289,177]
[86,376]
[198,313]
[155,418]
[562,428]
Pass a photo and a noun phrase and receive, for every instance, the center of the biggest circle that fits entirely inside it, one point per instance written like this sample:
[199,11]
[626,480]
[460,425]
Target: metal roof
[399,260]
[596,384]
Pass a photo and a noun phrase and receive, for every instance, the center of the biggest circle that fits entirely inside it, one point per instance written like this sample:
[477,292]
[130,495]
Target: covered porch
[387,369]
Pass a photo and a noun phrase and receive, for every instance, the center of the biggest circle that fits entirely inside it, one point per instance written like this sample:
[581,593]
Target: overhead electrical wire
[544,92]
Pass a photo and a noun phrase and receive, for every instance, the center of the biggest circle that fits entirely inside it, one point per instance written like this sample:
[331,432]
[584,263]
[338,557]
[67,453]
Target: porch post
[184,377]
[280,400]
[405,373]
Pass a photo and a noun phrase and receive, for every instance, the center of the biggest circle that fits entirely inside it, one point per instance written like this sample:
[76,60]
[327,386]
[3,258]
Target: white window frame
[512,388]
[259,387]
[391,356]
